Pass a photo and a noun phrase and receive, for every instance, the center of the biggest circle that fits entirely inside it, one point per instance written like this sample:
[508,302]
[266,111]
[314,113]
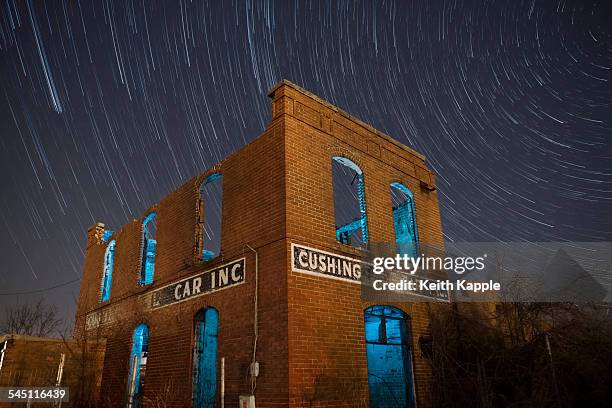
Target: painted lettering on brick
[316,262]
[99,318]
[222,277]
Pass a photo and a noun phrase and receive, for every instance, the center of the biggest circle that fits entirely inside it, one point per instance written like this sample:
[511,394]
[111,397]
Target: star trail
[108,106]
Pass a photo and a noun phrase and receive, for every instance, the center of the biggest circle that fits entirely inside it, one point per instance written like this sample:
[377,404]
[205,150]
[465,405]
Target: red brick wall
[276,190]
[327,359]
[253,213]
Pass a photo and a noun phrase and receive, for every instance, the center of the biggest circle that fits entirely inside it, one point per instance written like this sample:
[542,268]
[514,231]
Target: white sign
[320,263]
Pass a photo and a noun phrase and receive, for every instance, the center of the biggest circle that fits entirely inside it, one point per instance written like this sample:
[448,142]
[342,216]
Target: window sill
[349,249]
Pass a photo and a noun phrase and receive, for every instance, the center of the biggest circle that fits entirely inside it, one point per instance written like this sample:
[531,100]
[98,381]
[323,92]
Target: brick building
[30,361]
[189,304]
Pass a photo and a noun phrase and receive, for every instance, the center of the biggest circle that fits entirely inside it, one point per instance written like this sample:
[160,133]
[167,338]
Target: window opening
[149,244]
[404,220]
[389,360]
[205,358]
[211,194]
[349,202]
[138,365]
[107,274]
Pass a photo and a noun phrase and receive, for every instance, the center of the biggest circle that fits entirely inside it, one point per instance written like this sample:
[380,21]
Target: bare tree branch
[32,319]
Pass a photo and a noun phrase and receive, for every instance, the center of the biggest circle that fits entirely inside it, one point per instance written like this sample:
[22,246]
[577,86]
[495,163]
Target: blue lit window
[205,358]
[107,234]
[138,365]
[389,359]
[349,202]
[211,194]
[107,275]
[147,270]
[404,220]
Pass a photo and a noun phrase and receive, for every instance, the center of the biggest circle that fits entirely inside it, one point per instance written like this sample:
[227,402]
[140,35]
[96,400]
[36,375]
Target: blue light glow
[107,234]
[149,264]
[404,220]
[149,245]
[205,358]
[349,202]
[107,274]
[362,208]
[389,359]
[138,361]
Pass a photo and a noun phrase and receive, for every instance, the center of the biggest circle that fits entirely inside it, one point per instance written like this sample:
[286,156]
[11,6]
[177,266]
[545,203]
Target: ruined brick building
[261,294]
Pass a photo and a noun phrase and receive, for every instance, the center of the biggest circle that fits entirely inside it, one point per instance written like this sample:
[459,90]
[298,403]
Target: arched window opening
[149,244]
[349,202]
[138,365]
[211,193]
[389,359]
[107,274]
[404,220]
[205,358]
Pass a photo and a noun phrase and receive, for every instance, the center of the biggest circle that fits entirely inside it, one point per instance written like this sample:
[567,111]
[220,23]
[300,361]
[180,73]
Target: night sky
[106,107]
